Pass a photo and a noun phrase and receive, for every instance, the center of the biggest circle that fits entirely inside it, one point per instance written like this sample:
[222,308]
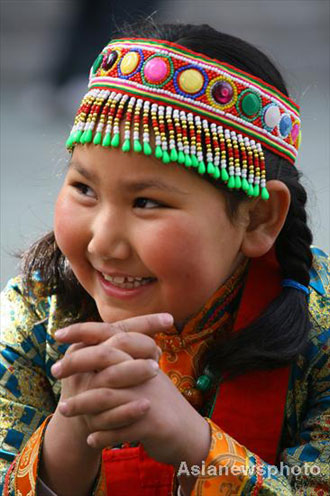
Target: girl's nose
[109,239]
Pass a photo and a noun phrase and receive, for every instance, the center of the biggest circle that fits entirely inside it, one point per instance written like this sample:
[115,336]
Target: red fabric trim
[250,408]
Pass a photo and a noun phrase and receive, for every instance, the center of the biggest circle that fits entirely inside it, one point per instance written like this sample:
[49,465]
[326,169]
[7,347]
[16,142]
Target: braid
[293,244]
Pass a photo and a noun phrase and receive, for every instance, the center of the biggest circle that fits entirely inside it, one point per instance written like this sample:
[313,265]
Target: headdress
[204,113]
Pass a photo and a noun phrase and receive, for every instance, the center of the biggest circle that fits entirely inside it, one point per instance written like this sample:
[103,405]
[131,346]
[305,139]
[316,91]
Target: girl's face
[131,215]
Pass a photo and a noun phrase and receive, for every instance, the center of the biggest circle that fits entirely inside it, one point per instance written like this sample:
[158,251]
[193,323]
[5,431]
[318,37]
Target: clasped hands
[111,381]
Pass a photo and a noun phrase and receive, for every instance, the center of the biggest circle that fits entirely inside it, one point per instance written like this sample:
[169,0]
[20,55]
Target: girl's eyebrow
[132,186]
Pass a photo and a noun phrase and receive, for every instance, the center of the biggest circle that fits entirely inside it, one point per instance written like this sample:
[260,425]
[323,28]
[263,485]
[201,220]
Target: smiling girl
[170,335]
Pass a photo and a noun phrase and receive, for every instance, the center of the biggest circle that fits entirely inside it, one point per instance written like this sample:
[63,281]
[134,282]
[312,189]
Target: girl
[169,337]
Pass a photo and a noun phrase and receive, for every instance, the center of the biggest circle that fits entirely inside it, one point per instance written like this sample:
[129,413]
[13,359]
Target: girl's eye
[141,203]
[82,188]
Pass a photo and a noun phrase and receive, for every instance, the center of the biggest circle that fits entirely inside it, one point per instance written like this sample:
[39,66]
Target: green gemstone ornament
[115,140]
[166,158]
[77,136]
[238,182]
[201,167]
[194,161]
[216,174]
[187,161]
[158,152]
[137,147]
[181,157]
[97,138]
[126,145]
[97,62]
[231,182]
[245,184]
[224,175]
[174,155]
[106,140]
[147,148]
[203,383]
[210,168]
[264,194]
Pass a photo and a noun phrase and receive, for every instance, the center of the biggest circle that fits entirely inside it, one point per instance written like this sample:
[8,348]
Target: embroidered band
[203,113]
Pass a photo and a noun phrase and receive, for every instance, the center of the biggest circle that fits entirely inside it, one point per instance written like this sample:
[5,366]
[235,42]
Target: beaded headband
[204,113]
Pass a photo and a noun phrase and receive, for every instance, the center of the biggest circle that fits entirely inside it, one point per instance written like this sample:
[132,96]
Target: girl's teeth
[127,283]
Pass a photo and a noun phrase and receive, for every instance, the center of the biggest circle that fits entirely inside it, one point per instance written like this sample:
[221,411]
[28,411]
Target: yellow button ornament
[191,81]
[129,63]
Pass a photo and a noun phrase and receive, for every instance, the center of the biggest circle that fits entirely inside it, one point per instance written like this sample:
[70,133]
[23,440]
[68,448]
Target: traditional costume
[215,118]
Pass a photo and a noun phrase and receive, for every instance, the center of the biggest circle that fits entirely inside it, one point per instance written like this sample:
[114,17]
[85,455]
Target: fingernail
[63,407]
[154,365]
[91,441]
[166,319]
[60,333]
[160,352]
[144,405]
[56,369]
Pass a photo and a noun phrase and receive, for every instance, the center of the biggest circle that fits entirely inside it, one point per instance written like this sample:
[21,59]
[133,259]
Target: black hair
[277,337]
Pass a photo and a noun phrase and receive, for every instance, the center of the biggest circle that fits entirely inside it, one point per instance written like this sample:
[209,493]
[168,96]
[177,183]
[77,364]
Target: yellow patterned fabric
[29,394]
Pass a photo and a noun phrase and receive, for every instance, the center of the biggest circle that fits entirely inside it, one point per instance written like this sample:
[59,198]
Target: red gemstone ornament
[222,92]
[109,60]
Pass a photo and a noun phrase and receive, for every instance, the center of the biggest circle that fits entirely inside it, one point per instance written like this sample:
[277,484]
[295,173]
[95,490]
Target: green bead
[166,158]
[231,182]
[137,147]
[77,136]
[126,145]
[210,168]
[238,182]
[181,157]
[174,155]
[187,161]
[89,136]
[264,194]
[69,141]
[97,63]
[115,140]
[245,184]
[158,152]
[256,190]
[194,161]
[203,383]
[106,140]
[224,175]
[82,138]
[97,138]
[201,167]
[147,148]
[250,190]
[216,174]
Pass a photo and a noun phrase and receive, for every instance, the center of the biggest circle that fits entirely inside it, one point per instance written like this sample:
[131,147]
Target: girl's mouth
[122,287]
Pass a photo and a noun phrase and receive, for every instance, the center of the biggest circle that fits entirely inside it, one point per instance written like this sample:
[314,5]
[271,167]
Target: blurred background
[48,46]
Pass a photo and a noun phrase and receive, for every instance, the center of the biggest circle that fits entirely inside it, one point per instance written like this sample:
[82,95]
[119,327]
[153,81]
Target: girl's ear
[265,220]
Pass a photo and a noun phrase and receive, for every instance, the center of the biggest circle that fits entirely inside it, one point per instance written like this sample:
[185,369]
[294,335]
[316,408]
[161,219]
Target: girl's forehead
[99,163]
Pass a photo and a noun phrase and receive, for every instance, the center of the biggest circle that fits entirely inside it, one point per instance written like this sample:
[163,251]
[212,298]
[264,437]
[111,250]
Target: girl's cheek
[173,249]
[67,227]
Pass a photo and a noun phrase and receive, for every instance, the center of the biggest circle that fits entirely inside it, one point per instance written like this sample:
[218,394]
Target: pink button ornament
[156,70]
[295,132]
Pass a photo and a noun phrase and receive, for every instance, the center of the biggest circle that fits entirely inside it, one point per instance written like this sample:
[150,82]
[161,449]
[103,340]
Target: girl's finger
[97,332]
[88,359]
[119,417]
[94,401]
[127,434]
[135,344]
[125,374]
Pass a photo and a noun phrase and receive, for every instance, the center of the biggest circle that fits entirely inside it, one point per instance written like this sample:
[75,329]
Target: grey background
[35,120]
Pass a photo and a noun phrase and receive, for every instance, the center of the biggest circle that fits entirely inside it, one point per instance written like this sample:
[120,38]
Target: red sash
[249,408]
